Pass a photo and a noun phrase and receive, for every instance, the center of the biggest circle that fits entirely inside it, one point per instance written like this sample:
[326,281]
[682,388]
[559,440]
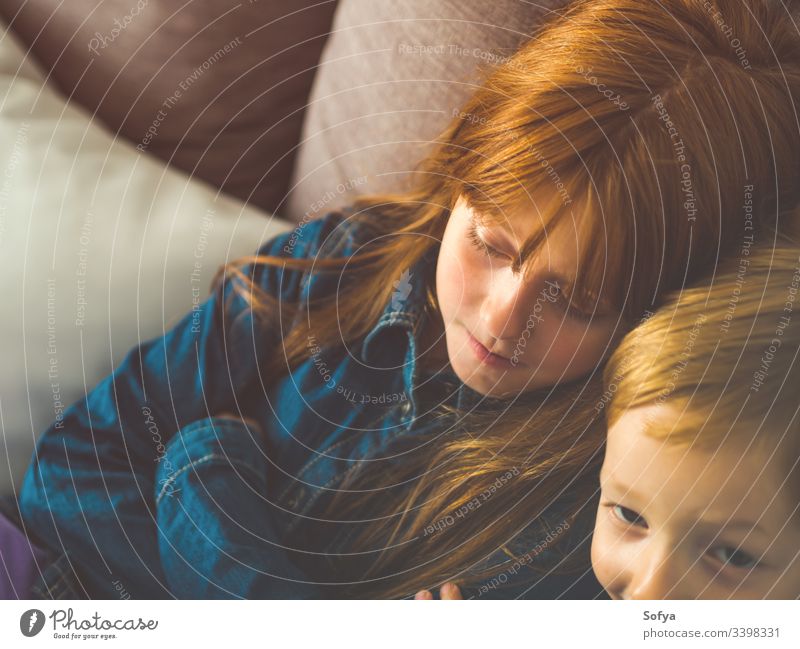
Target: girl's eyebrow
[487,227]
[581,299]
[506,230]
[565,284]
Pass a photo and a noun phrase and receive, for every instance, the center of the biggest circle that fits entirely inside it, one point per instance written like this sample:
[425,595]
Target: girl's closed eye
[565,302]
[481,245]
[572,310]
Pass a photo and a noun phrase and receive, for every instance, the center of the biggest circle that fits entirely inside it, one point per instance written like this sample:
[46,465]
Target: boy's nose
[655,576]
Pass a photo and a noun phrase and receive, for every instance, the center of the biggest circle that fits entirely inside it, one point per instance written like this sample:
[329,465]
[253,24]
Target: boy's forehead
[727,486]
[628,434]
[637,457]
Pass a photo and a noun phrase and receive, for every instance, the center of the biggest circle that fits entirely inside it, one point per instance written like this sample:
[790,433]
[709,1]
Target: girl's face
[685,523]
[506,333]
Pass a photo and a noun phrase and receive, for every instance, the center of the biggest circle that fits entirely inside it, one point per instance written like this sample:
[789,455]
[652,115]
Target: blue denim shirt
[141,489]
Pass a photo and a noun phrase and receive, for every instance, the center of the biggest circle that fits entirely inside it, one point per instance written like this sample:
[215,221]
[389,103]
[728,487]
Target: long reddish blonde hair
[652,126]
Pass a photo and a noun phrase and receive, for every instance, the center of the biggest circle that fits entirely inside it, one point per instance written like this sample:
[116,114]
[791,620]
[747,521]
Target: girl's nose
[499,312]
[511,307]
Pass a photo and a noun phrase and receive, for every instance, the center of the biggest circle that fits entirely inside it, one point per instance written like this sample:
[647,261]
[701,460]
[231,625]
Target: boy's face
[538,337]
[685,523]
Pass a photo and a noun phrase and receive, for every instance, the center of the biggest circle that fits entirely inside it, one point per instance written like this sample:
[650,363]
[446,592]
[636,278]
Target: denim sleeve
[89,489]
[219,535]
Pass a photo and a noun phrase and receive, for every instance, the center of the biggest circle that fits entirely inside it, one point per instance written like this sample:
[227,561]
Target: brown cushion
[389,79]
[230,78]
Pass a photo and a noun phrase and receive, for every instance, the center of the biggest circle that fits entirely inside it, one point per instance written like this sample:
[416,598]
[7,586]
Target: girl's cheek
[449,284]
[458,277]
[560,340]
[570,345]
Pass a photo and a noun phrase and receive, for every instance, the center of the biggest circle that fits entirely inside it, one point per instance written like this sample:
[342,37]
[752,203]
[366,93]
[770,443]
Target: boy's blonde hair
[724,356]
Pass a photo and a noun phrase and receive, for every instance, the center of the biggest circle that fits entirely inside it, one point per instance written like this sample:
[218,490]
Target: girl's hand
[448,591]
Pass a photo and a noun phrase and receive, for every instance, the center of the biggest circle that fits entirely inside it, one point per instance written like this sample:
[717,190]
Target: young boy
[701,478]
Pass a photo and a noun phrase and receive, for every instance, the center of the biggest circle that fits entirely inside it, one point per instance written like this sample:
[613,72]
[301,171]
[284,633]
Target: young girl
[547,219]
[701,479]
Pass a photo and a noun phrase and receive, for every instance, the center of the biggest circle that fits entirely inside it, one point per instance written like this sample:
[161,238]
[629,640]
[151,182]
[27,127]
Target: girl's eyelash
[575,313]
[572,311]
[481,245]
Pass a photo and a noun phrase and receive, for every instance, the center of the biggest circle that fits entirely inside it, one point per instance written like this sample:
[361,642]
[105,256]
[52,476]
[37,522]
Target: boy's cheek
[788,586]
[607,568]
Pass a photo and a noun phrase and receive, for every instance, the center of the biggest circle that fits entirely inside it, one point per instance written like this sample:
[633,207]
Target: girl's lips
[488,358]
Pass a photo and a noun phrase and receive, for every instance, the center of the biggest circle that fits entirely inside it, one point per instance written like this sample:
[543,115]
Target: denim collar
[406,311]
[406,307]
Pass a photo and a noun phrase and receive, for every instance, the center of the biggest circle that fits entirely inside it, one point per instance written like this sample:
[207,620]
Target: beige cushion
[390,77]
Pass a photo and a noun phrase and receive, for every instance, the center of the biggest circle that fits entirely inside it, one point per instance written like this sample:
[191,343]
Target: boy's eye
[734,557]
[629,517]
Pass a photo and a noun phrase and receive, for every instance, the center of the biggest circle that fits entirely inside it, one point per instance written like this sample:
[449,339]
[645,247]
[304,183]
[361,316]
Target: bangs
[579,206]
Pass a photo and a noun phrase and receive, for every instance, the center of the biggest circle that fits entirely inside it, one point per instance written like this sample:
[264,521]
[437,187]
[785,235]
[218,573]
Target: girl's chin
[492,383]
[481,381]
